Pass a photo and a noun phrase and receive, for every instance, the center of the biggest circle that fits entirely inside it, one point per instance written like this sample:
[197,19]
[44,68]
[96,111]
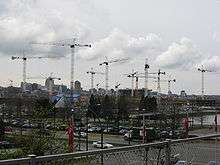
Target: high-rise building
[78,88]
[49,83]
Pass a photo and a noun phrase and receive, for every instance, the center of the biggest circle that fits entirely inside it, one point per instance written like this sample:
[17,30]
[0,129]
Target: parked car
[98,145]
[82,134]
[123,131]
[6,144]
[8,129]
[92,129]
[214,163]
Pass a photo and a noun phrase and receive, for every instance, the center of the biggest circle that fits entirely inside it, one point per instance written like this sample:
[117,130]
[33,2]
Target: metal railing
[198,150]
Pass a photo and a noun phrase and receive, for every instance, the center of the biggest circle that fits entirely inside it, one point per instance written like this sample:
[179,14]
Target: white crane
[137,76]
[11,83]
[92,72]
[146,68]
[72,44]
[169,81]
[50,79]
[24,58]
[106,63]
[132,76]
[202,70]
[158,79]
[116,89]
[169,85]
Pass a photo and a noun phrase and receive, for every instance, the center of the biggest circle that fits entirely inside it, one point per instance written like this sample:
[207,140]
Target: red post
[70,132]
[186,125]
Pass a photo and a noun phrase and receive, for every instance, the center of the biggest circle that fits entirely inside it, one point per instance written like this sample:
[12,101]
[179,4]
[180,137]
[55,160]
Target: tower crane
[92,72]
[132,76]
[11,83]
[116,89]
[169,81]
[202,70]
[169,84]
[72,44]
[158,79]
[106,63]
[24,58]
[146,68]
[50,78]
[137,76]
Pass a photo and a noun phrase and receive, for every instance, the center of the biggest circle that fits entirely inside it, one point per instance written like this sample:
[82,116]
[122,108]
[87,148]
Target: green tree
[2,129]
[123,107]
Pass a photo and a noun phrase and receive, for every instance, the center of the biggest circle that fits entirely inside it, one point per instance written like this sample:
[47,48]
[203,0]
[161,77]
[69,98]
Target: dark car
[6,144]
[214,163]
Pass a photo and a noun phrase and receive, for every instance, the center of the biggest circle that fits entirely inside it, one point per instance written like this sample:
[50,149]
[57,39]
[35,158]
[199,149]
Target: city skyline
[174,40]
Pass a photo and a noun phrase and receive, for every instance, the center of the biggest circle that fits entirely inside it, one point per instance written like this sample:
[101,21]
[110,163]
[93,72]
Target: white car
[98,145]
[82,134]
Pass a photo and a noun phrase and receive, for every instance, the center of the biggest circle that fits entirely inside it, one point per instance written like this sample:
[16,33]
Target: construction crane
[11,83]
[132,76]
[140,75]
[169,85]
[50,79]
[106,63]
[169,81]
[146,68]
[158,79]
[116,89]
[72,44]
[92,72]
[24,58]
[202,70]
[97,87]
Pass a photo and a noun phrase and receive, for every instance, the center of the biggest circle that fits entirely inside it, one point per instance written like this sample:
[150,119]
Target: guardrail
[191,150]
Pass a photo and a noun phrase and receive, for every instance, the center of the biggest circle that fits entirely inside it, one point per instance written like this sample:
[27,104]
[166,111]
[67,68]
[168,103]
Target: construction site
[73,91]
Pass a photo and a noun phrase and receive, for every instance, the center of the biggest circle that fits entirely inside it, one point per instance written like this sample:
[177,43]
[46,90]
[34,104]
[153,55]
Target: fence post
[32,161]
[168,152]
[146,154]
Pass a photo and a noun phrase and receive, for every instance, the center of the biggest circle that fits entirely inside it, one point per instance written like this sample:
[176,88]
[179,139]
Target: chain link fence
[199,150]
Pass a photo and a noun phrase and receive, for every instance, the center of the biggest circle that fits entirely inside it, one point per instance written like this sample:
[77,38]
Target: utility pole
[202,70]
[106,63]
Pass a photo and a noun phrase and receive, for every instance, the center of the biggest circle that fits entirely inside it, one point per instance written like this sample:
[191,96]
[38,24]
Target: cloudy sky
[176,36]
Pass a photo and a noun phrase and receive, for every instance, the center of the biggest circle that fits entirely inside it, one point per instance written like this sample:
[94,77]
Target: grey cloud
[43,21]
[120,44]
[186,55]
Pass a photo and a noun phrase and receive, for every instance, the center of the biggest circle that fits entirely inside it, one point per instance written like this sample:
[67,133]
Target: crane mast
[24,59]
[132,76]
[146,67]
[202,70]
[158,80]
[92,73]
[72,45]
[106,63]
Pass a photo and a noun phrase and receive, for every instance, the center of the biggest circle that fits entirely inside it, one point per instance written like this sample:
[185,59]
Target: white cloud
[120,44]
[212,63]
[43,21]
[186,55]
[183,55]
